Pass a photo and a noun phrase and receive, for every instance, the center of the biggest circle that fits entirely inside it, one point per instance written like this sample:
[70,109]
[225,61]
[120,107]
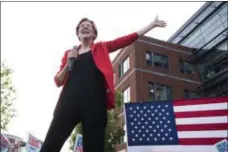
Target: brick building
[193,60]
[151,69]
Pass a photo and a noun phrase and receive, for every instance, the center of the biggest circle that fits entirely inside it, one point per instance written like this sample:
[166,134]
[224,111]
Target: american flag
[5,143]
[33,144]
[193,125]
[78,147]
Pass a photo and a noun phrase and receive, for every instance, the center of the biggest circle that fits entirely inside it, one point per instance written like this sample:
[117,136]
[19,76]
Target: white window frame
[125,66]
[127,95]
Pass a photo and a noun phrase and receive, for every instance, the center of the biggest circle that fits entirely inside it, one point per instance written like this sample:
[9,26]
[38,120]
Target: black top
[85,80]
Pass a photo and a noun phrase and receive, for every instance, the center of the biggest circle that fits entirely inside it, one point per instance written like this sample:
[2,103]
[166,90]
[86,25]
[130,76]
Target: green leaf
[7,97]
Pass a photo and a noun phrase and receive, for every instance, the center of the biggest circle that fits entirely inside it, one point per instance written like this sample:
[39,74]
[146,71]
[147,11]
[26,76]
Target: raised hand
[155,23]
[159,23]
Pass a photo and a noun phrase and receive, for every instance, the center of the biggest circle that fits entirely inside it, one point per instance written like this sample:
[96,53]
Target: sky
[34,36]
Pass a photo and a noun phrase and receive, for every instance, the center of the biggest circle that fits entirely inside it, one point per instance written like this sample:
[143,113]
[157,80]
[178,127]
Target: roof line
[196,14]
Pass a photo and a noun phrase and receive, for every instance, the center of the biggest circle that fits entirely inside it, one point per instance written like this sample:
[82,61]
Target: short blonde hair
[93,26]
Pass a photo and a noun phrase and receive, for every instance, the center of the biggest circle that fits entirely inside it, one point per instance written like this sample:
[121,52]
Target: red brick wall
[138,81]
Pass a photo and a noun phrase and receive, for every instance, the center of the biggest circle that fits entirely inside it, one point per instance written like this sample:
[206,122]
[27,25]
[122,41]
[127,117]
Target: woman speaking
[86,75]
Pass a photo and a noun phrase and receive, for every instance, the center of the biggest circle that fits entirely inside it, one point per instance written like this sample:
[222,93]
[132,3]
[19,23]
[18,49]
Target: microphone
[71,60]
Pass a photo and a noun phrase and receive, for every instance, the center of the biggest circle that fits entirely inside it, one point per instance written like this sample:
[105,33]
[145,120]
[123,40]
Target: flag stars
[151,123]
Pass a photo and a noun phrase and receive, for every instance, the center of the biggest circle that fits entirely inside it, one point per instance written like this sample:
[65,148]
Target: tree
[7,96]
[114,133]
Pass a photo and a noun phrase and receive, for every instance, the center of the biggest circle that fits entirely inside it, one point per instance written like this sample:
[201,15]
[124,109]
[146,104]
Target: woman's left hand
[158,23]
[155,23]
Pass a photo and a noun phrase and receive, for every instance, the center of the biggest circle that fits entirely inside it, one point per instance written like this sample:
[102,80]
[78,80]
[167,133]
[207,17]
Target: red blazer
[100,52]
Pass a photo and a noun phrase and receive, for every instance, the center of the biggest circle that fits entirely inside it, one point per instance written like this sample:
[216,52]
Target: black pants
[93,115]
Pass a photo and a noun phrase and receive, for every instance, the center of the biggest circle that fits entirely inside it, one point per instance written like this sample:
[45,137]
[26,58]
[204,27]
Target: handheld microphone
[71,60]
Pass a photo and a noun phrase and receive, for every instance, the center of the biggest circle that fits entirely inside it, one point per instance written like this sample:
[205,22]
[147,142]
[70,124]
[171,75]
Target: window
[185,67]
[190,94]
[157,60]
[126,95]
[159,92]
[123,67]
[120,70]
[125,134]
[149,58]
[206,72]
[223,47]
[123,138]
[126,65]
[210,28]
[211,64]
